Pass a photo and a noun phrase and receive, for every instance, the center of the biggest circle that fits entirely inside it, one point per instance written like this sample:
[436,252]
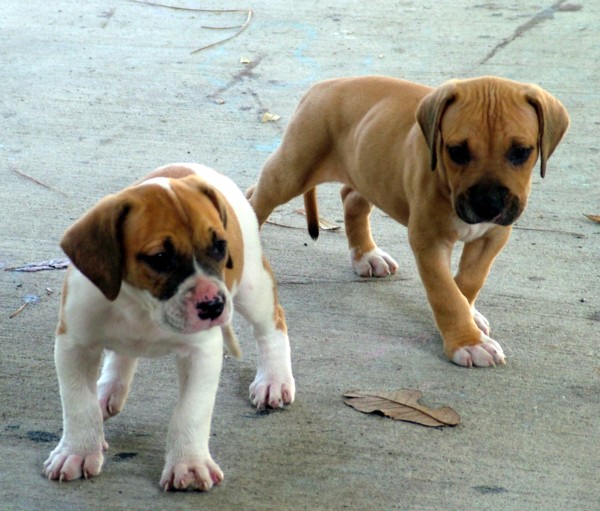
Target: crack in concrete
[537,19]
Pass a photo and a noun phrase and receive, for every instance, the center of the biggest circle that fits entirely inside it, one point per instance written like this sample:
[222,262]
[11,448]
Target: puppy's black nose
[211,309]
[488,200]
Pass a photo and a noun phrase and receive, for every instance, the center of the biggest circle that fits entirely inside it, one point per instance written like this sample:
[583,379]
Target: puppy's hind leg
[302,161]
[366,258]
[281,180]
[114,383]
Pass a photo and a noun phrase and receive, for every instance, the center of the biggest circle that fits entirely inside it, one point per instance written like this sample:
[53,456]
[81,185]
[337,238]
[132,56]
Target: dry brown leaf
[324,224]
[402,405]
[593,218]
[269,117]
[327,225]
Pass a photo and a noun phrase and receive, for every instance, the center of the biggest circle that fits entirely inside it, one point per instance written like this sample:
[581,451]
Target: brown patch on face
[234,265]
[278,312]
[192,230]
[193,193]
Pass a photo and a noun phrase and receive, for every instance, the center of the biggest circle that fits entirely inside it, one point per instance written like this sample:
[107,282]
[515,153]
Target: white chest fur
[469,232]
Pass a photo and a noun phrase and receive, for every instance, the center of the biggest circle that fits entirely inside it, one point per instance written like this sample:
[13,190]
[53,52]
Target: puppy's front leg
[475,264]
[188,462]
[79,452]
[464,343]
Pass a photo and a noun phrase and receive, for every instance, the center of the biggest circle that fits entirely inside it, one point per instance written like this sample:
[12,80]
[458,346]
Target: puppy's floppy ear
[553,121]
[95,244]
[430,113]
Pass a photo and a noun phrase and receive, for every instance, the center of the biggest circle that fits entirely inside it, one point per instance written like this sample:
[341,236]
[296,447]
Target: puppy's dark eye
[161,262]
[459,154]
[518,155]
[218,249]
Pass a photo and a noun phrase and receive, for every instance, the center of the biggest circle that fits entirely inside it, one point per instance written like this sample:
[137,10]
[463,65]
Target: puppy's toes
[269,393]
[375,263]
[191,475]
[487,354]
[66,465]
[481,321]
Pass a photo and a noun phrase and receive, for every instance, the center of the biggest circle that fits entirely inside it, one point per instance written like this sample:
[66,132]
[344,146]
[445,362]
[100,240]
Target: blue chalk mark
[207,65]
[314,68]
[269,147]
[32,299]
[367,65]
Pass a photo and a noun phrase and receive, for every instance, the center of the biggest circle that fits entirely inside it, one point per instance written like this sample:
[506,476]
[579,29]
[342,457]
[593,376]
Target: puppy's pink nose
[211,309]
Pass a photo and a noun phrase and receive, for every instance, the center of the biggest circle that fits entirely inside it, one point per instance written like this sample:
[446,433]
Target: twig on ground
[241,27]
[37,182]
[19,310]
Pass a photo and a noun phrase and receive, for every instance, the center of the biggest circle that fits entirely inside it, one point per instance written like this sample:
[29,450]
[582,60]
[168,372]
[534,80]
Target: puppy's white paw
[375,263]
[272,390]
[66,464]
[111,398]
[193,474]
[481,321]
[487,354]
[273,386]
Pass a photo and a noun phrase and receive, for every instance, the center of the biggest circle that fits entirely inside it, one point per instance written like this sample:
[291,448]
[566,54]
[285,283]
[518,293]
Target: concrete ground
[97,93]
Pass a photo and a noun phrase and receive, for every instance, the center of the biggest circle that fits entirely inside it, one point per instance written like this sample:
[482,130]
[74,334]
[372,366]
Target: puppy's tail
[311,210]
[231,341]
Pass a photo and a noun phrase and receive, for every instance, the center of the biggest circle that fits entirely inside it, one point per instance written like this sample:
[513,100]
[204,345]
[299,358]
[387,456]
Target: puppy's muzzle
[488,202]
[213,308]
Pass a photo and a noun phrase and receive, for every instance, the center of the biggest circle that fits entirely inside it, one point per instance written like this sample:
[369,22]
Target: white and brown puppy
[452,163]
[157,269]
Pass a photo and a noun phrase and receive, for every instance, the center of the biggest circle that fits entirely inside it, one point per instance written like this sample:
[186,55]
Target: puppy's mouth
[488,202]
[203,305]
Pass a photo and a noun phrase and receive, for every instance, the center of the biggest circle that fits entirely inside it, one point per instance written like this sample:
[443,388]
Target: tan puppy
[157,269]
[452,163]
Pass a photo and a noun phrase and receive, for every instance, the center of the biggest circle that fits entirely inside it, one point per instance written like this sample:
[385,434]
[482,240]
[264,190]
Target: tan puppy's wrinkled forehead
[491,114]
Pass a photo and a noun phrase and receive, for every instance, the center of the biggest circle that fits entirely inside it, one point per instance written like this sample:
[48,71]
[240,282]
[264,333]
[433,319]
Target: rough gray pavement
[97,93]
